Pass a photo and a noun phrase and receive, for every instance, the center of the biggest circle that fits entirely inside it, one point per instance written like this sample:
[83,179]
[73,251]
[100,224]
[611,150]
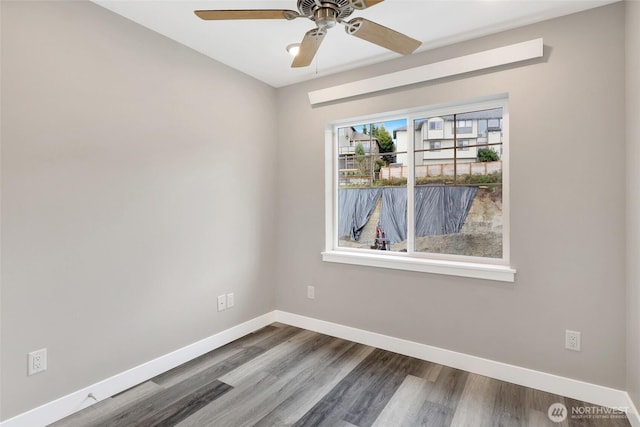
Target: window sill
[451,268]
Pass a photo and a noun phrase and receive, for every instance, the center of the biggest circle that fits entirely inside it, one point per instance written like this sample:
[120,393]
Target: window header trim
[451,67]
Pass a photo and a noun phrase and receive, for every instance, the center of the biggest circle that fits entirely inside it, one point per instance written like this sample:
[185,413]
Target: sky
[390,125]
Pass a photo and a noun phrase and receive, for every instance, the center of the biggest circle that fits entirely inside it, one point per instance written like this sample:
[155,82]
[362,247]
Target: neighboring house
[436,134]
[348,140]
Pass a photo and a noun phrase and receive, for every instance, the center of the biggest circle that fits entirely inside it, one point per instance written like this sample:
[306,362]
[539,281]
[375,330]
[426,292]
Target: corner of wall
[632,38]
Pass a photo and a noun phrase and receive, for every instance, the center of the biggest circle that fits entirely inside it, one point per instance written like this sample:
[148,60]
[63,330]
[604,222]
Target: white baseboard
[67,405]
[633,414]
[574,389]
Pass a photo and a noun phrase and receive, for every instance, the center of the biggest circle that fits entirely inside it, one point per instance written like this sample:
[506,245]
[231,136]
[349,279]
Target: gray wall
[132,196]
[568,217]
[633,198]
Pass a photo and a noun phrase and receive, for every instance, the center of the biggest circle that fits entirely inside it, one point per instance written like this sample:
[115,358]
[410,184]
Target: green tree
[384,139]
[487,155]
[386,144]
[361,158]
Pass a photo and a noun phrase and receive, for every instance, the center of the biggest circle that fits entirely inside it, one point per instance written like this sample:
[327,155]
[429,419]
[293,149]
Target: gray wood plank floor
[285,376]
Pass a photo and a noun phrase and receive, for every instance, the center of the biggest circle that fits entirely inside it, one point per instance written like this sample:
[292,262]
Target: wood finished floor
[285,376]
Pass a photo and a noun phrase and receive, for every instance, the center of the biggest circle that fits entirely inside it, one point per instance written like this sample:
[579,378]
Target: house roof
[494,113]
[359,136]
[401,129]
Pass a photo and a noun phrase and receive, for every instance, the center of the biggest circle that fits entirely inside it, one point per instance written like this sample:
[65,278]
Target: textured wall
[633,198]
[123,212]
[567,218]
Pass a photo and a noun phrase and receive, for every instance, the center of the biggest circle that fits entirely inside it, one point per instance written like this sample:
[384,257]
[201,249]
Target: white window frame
[456,265]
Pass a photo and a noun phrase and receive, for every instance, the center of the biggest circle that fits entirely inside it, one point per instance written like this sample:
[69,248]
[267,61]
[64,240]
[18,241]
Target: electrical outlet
[572,340]
[222,302]
[230,300]
[311,292]
[37,361]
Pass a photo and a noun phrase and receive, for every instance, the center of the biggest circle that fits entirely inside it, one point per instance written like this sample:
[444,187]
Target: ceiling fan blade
[220,15]
[308,48]
[382,36]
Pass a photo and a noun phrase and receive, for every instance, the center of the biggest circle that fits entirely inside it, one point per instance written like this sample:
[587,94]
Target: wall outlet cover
[222,302]
[37,361]
[572,340]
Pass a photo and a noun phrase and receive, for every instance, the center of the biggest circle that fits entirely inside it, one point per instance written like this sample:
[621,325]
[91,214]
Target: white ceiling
[258,47]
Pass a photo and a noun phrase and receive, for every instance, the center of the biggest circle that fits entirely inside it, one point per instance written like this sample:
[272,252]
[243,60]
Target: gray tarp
[438,210]
[442,210]
[355,206]
[393,214]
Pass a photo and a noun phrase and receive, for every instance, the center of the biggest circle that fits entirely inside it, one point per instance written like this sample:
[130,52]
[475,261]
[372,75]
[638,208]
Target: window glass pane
[458,192]
[372,186]
[464,126]
[482,128]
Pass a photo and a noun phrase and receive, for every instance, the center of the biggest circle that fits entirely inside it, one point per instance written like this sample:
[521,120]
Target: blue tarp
[442,210]
[393,213]
[355,206]
[438,210]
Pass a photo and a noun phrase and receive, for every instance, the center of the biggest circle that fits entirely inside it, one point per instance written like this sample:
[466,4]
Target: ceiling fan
[326,14]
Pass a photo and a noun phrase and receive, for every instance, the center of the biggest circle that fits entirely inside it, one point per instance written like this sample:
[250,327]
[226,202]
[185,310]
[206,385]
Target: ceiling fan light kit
[293,49]
[325,14]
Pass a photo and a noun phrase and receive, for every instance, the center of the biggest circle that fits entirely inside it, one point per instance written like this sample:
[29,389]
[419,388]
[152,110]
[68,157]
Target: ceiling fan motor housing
[325,17]
[327,9]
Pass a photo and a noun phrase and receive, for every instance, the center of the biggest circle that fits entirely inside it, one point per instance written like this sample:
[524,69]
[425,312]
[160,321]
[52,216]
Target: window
[400,201]
[435,125]
[464,126]
[494,124]
[482,128]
